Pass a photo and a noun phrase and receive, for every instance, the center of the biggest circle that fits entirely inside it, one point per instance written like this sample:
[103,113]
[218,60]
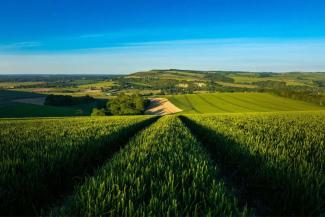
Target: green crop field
[9,85]
[103,84]
[162,172]
[243,164]
[42,158]
[238,102]
[278,158]
[7,96]
[29,110]
[10,108]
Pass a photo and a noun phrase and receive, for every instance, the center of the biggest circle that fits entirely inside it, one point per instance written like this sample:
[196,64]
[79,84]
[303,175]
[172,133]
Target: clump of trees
[98,112]
[218,77]
[61,100]
[123,104]
[319,83]
[270,84]
[305,95]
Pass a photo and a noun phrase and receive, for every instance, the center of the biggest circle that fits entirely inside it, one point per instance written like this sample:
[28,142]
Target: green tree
[126,105]
[98,112]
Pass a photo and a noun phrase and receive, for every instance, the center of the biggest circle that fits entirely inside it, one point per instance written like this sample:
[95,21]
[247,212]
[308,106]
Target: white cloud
[225,54]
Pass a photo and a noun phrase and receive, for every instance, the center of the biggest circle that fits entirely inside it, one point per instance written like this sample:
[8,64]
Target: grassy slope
[18,84]
[10,109]
[225,84]
[169,75]
[292,79]
[237,102]
[6,96]
[241,79]
[103,84]
[29,110]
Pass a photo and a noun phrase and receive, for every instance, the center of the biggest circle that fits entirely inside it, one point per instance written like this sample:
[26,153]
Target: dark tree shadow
[269,190]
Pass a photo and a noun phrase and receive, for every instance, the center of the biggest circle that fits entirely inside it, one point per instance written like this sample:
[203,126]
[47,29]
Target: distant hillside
[182,71]
[166,81]
[229,78]
[186,75]
[237,102]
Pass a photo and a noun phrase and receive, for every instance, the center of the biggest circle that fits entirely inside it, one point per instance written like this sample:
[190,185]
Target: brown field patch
[161,106]
[41,90]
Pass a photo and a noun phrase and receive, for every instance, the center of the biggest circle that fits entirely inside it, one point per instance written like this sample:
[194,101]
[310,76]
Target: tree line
[304,95]
[123,104]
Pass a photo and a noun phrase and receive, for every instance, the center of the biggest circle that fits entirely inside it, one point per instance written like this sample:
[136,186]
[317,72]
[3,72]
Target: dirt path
[161,106]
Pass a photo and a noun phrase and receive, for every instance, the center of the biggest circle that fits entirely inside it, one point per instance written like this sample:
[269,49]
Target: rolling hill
[238,102]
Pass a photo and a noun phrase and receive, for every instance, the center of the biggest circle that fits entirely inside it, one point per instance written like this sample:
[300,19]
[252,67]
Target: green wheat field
[235,162]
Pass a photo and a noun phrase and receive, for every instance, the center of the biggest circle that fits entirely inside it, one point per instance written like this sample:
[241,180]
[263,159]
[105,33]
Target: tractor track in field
[231,103]
[246,197]
[191,105]
[61,187]
[250,102]
[211,104]
[124,141]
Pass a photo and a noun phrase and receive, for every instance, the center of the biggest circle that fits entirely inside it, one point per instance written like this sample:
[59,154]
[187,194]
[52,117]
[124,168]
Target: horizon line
[188,70]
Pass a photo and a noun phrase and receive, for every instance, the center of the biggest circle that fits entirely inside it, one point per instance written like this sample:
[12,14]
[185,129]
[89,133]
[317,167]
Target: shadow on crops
[59,181]
[268,190]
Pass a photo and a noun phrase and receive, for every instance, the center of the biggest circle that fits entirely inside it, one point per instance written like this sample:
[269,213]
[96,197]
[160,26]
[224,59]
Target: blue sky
[122,36]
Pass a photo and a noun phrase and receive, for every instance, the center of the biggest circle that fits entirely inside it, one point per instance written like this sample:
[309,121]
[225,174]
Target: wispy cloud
[19,45]
[99,35]
[218,54]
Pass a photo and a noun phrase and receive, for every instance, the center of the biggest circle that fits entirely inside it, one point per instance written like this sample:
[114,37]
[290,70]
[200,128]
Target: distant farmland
[237,102]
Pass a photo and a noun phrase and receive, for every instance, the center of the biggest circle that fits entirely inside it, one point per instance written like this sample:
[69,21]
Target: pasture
[237,102]
[27,104]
